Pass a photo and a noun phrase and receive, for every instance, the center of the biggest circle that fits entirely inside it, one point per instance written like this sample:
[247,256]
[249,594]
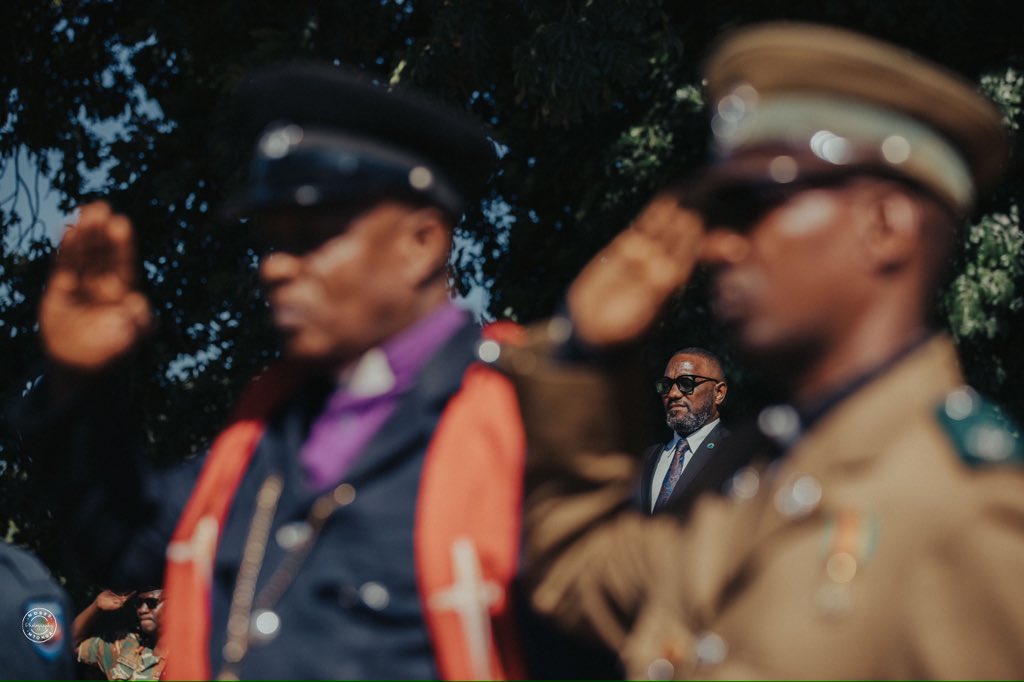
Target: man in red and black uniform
[359,517]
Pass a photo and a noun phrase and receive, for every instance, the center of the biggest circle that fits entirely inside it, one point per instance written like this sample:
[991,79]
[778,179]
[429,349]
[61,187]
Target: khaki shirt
[888,542]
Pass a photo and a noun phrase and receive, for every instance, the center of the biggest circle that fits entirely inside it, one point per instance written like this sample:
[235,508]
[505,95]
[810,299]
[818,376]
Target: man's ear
[893,234]
[721,388]
[426,245]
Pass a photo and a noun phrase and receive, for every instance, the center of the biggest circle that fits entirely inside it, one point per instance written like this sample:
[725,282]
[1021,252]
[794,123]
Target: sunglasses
[150,602]
[299,232]
[740,205]
[686,383]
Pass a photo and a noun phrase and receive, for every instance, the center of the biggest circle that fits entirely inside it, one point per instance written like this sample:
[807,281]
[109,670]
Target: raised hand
[91,313]
[111,601]
[621,292]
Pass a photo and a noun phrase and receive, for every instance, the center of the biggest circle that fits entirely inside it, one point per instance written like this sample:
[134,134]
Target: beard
[691,421]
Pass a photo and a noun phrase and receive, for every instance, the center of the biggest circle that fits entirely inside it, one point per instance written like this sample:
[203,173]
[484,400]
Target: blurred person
[33,612]
[330,516]
[691,391]
[876,527]
[132,655]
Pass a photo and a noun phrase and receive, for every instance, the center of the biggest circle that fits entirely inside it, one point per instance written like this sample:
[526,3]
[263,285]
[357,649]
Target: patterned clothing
[123,659]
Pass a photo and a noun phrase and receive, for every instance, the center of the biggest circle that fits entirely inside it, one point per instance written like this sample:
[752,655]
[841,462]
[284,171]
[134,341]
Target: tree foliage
[594,104]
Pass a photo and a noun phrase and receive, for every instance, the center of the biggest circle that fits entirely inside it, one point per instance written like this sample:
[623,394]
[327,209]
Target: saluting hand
[111,601]
[91,313]
[621,292]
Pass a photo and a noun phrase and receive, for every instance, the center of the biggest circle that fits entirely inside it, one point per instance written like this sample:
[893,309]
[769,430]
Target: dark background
[595,105]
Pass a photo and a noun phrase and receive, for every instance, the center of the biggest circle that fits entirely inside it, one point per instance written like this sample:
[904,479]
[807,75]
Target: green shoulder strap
[981,433]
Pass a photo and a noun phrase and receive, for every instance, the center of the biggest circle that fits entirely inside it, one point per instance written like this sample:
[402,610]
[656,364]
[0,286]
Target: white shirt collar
[370,375]
[695,439]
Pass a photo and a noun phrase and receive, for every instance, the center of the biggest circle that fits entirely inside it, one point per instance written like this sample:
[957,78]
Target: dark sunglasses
[150,602]
[739,206]
[686,383]
[298,232]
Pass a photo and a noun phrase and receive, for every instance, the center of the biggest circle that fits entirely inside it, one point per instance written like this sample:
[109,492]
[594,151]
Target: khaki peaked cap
[884,87]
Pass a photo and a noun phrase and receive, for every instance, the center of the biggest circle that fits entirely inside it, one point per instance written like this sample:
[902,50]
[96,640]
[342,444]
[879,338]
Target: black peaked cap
[329,113]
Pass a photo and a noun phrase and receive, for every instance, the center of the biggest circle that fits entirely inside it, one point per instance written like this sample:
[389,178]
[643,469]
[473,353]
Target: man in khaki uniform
[877,527]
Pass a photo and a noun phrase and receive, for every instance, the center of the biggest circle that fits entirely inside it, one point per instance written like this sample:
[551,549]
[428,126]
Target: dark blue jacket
[352,610]
[34,618]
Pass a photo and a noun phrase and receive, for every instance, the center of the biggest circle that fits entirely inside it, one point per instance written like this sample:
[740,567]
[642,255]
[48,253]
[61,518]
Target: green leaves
[1005,87]
[595,104]
[989,285]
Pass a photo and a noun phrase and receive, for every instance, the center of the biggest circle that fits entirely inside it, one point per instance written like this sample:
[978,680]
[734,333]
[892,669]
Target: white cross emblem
[471,598]
[199,548]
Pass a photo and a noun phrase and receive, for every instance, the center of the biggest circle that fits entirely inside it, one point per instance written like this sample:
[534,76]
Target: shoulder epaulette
[981,433]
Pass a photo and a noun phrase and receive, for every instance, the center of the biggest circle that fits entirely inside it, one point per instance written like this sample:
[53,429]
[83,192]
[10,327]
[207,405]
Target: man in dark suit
[692,390]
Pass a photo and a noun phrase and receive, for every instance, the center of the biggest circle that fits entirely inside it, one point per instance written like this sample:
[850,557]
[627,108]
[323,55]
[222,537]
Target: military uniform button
[807,492]
[841,567]
[559,329]
[730,112]
[421,178]
[743,485]
[961,403]
[799,498]
[265,625]
[233,652]
[276,143]
[989,442]
[322,508]
[660,669]
[293,535]
[710,648]
[374,595]
[781,423]
[344,494]
[488,351]
[895,149]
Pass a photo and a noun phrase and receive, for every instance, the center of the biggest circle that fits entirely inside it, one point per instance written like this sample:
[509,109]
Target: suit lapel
[650,463]
[691,483]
